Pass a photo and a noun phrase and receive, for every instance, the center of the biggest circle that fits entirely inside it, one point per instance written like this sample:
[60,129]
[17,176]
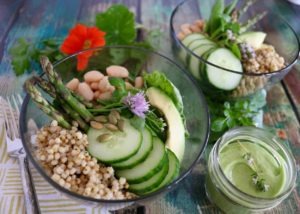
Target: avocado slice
[176,131]
[253,38]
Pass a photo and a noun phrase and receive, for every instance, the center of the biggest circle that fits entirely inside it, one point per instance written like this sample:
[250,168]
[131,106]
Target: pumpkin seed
[121,124]
[101,118]
[116,114]
[111,127]
[112,119]
[96,125]
[104,137]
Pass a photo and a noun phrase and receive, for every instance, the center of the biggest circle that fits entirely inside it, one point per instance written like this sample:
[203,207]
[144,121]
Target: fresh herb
[23,53]
[120,89]
[156,124]
[118,23]
[230,114]
[257,180]
[223,25]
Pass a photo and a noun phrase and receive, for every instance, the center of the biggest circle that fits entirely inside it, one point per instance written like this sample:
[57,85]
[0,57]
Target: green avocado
[176,131]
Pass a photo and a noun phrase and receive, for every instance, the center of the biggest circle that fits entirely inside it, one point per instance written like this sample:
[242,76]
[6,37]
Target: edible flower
[82,37]
[137,104]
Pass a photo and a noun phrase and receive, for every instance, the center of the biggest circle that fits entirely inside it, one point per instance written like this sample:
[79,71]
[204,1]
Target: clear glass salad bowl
[279,34]
[135,60]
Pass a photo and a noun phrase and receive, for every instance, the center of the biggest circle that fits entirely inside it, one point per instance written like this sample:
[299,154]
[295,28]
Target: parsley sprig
[229,114]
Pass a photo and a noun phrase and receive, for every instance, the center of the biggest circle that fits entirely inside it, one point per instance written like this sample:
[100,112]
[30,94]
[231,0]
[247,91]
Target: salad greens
[223,25]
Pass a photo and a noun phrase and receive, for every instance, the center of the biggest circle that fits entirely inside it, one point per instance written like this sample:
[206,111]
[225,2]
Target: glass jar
[222,192]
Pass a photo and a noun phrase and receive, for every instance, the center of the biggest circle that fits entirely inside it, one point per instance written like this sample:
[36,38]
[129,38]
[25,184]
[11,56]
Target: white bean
[96,94]
[104,84]
[117,71]
[85,91]
[94,85]
[73,84]
[105,96]
[93,76]
[139,82]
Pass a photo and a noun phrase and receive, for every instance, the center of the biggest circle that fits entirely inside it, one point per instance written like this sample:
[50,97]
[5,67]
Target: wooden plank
[9,10]
[38,20]
[291,13]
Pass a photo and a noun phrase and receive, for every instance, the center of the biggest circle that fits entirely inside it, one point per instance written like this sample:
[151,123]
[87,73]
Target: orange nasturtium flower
[82,37]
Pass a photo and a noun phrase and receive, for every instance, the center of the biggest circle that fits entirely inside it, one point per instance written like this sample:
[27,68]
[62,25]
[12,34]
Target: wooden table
[36,19]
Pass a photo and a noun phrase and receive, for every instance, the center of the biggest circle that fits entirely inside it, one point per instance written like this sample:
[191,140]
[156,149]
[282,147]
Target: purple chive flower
[137,104]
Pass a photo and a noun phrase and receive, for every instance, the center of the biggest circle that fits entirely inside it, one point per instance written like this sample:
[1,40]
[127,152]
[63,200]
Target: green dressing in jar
[249,171]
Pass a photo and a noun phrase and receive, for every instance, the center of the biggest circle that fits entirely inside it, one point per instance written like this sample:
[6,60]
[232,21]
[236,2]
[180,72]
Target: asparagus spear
[46,86]
[63,91]
[252,21]
[73,114]
[44,105]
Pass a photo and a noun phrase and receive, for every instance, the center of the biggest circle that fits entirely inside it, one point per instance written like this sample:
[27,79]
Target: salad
[113,136]
[226,42]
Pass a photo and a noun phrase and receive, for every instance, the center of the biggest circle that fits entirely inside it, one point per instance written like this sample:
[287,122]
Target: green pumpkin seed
[116,114]
[112,119]
[101,118]
[111,127]
[121,124]
[104,137]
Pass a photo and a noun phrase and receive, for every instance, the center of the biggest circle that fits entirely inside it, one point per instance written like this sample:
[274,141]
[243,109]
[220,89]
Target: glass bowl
[279,34]
[135,60]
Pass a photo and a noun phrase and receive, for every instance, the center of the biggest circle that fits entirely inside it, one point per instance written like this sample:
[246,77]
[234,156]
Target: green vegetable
[214,19]
[137,122]
[228,115]
[118,23]
[62,91]
[159,80]
[120,88]
[23,53]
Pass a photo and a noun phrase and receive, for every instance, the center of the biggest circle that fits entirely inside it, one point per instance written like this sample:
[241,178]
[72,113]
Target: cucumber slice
[187,41]
[220,78]
[122,146]
[151,183]
[192,37]
[145,170]
[194,62]
[173,171]
[141,155]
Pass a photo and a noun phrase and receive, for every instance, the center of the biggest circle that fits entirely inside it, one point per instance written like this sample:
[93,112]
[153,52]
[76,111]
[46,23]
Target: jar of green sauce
[249,170]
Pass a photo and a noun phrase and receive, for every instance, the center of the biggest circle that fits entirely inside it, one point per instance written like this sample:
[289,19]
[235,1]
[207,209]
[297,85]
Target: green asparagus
[63,91]
[74,115]
[45,85]
[44,105]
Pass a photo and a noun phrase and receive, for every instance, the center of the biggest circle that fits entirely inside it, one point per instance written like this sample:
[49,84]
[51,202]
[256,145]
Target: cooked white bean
[185,27]
[180,35]
[85,91]
[195,28]
[73,84]
[94,85]
[138,82]
[111,88]
[96,94]
[104,84]
[105,96]
[117,71]
[93,76]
